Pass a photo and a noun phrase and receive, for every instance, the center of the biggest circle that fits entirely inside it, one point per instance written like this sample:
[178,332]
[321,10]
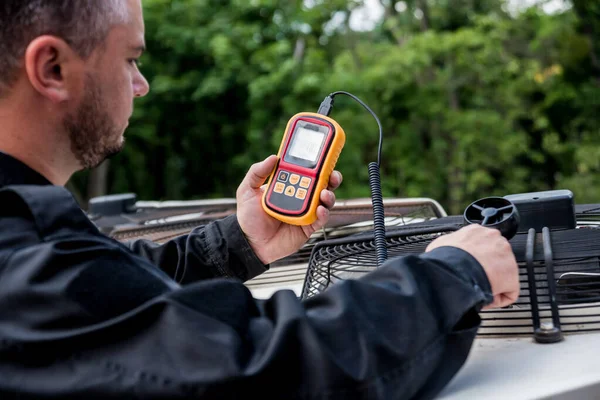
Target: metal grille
[570,299]
[332,261]
[347,218]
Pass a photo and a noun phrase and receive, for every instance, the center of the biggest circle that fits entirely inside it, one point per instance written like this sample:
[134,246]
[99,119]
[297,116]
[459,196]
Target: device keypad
[293,187]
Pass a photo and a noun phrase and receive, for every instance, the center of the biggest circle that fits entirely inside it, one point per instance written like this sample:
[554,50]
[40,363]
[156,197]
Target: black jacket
[83,316]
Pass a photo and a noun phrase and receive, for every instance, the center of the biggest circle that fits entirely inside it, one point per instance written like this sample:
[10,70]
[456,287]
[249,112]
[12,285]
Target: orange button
[294,179]
[305,182]
[279,187]
[290,191]
[301,194]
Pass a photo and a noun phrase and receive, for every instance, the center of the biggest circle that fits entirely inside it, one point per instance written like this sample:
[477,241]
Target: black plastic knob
[494,212]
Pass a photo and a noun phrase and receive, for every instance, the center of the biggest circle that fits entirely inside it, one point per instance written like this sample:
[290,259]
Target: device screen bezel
[326,130]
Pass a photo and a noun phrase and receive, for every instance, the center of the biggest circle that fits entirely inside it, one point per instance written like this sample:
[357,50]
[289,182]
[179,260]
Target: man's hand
[495,255]
[271,239]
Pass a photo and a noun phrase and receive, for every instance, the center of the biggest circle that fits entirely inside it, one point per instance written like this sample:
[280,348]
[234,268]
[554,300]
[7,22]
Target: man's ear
[50,63]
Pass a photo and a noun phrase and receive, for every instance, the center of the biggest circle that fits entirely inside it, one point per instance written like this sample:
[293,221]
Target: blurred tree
[574,104]
[475,100]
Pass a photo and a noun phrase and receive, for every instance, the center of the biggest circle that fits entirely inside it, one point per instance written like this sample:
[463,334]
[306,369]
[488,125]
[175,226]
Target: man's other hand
[495,255]
[272,239]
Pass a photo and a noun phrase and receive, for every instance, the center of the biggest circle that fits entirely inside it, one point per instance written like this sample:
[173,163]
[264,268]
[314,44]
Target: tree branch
[425,21]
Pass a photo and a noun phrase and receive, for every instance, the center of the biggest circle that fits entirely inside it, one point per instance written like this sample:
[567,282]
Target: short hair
[83,24]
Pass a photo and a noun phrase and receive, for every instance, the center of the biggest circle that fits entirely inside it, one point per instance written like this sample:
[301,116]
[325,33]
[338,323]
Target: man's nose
[141,87]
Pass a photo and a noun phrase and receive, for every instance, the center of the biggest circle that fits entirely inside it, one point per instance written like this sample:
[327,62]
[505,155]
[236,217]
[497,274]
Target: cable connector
[326,106]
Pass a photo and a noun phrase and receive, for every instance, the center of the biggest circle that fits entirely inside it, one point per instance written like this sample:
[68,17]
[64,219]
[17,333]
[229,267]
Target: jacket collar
[14,172]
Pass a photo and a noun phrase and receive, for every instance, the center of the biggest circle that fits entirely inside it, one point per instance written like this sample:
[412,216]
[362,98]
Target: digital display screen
[306,144]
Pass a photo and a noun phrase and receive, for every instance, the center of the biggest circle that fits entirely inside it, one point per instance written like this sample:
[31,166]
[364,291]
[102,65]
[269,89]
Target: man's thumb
[259,172]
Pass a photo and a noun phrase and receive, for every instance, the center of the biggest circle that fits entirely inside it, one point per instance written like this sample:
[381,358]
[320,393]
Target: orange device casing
[293,192]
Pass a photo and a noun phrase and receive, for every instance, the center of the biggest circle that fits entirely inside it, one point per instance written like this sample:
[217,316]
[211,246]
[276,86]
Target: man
[83,316]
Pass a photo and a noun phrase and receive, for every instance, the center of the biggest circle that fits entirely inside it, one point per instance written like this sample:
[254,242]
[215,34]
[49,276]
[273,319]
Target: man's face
[112,81]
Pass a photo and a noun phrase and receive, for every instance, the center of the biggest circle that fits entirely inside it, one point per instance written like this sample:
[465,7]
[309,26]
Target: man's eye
[135,62]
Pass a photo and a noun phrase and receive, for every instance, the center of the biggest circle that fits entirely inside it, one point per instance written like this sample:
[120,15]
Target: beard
[93,134]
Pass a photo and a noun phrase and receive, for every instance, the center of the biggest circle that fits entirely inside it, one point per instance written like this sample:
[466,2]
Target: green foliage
[474,101]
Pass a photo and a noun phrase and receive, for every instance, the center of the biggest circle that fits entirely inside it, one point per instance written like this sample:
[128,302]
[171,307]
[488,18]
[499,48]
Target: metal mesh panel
[571,258]
[346,219]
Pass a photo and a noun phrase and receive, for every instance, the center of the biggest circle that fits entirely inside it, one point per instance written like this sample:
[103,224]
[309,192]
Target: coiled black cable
[374,179]
[378,213]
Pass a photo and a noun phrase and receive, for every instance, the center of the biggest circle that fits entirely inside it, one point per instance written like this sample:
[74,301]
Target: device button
[290,191]
[305,182]
[279,187]
[294,179]
[301,194]
[283,176]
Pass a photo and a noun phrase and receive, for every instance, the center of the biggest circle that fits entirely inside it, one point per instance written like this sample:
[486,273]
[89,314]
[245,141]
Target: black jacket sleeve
[218,249]
[81,318]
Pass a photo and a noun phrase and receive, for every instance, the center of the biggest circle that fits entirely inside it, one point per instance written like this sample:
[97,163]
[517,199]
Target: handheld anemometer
[308,154]
[310,148]
[309,151]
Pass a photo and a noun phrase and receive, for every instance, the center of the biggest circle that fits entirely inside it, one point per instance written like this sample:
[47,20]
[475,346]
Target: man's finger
[322,218]
[259,172]
[327,198]
[335,180]
[501,300]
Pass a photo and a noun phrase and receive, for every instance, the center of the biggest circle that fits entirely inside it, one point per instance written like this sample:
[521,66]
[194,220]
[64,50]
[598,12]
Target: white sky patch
[367,16]
[549,6]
